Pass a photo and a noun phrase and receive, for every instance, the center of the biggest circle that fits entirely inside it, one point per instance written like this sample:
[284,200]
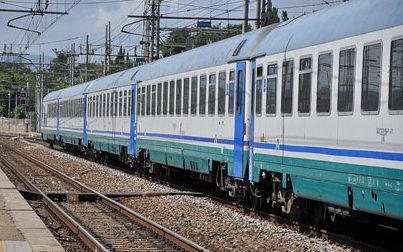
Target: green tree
[274,16]
[20,111]
[177,42]
[120,58]
[284,16]
[182,40]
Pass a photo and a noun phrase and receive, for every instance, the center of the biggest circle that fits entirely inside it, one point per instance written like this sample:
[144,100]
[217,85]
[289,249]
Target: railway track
[103,224]
[339,237]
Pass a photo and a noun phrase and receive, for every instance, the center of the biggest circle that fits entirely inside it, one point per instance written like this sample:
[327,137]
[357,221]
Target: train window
[259,90]
[186,96]
[304,85]
[193,96]
[231,91]
[171,97]
[120,103]
[221,92]
[165,99]
[116,104]
[346,81]
[100,105]
[287,87]
[97,102]
[396,76]
[271,89]
[89,107]
[143,101]
[148,112]
[159,98]
[124,103]
[93,106]
[178,96]
[138,102]
[239,92]
[211,94]
[103,104]
[153,95]
[107,104]
[324,86]
[202,94]
[371,78]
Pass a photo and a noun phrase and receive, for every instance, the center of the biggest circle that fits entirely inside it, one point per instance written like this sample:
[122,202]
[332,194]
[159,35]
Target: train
[303,116]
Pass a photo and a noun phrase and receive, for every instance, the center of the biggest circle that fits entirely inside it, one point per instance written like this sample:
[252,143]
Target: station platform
[21,229]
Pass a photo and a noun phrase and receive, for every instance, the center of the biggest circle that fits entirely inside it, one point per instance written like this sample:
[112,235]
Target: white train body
[311,109]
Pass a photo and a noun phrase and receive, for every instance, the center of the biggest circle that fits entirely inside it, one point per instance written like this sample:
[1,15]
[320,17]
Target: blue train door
[133,128]
[239,128]
[252,122]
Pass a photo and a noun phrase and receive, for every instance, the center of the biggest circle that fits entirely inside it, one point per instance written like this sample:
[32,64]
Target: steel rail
[74,226]
[168,234]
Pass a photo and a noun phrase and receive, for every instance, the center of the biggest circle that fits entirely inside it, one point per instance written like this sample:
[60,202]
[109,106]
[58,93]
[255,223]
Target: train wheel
[318,214]
[255,197]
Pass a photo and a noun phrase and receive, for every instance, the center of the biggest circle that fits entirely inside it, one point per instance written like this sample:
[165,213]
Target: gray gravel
[209,224]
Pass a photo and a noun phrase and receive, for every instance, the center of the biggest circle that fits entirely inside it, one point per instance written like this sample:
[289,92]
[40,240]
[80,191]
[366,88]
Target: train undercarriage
[272,193]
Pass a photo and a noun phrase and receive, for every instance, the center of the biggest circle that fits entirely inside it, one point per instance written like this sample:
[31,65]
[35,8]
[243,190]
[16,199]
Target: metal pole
[41,92]
[16,104]
[106,48]
[109,48]
[152,31]
[9,104]
[258,10]
[245,17]
[269,6]
[157,56]
[86,59]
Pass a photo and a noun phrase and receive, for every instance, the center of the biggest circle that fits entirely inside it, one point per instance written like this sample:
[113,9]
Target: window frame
[158,109]
[165,95]
[148,100]
[208,106]
[223,98]
[178,100]
[227,111]
[259,78]
[310,71]
[380,78]
[333,85]
[266,87]
[171,97]
[346,113]
[390,111]
[205,94]
[286,114]
[194,96]
[185,109]
[153,99]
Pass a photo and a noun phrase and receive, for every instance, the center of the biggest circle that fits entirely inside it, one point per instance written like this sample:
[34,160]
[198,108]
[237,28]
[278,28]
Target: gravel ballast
[202,220]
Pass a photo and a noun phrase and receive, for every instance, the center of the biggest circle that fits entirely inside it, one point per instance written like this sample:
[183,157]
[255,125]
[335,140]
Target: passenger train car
[305,115]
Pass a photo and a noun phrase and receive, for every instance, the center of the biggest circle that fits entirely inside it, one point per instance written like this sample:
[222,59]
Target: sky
[89,17]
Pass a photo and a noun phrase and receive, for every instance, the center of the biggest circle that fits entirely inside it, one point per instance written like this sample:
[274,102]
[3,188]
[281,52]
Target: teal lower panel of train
[371,189]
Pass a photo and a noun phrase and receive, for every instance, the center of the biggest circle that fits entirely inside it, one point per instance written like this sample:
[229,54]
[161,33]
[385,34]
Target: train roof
[344,20]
